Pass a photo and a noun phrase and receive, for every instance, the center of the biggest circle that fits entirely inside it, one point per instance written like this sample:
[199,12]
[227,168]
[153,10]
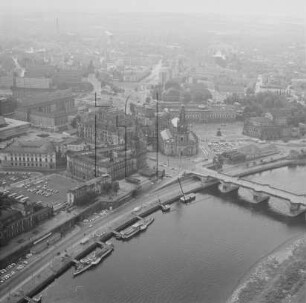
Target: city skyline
[271,7]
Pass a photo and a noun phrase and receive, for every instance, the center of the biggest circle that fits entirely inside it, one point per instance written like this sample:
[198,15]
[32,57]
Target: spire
[182,124]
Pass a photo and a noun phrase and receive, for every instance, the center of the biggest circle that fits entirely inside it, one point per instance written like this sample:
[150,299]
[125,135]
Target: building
[46,110]
[249,152]
[32,83]
[10,128]
[93,185]
[202,113]
[178,140]
[135,74]
[262,128]
[32,155]
[19,218]
[87,165]
[7,106]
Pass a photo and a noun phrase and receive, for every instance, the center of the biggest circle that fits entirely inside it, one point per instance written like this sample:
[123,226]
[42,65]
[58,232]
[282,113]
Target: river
[195,253]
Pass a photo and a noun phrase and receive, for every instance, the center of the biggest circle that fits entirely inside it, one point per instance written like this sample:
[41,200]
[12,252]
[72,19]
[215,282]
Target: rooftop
[38,146]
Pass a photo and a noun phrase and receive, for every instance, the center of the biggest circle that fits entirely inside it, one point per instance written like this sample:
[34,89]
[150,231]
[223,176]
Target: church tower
[182,126]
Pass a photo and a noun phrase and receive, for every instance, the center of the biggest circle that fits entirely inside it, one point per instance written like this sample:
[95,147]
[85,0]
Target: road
[16,283]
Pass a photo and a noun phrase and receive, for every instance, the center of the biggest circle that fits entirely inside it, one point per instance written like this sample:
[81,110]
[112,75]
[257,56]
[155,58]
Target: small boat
[188,198]
[34,300]
[37,299]
[165,207]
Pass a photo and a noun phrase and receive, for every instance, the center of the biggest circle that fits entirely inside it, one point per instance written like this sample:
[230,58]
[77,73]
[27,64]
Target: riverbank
[278,277]
[59,264]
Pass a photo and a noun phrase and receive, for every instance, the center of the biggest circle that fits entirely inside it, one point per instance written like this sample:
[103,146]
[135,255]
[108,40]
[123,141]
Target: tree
[200,93]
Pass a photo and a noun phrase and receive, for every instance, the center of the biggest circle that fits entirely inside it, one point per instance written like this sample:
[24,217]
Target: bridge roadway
[261,188]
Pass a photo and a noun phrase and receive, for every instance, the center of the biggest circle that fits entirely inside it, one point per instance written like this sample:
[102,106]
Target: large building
[87,165]
[20,217]
[262,128]
[10,128]
[94,185]
[32,155]
[178,140]
[201,113]
[46,110]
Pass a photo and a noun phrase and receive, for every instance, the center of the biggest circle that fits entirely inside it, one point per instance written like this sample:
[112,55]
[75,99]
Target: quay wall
[63,227]
[50,275]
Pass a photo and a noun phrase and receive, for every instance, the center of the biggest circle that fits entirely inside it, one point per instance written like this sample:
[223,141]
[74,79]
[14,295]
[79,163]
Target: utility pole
[95,137]
[96,106]
[125,136]
[157,143]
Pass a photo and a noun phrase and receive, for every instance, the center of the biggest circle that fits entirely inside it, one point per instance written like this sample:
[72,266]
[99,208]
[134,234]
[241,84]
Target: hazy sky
[200,6]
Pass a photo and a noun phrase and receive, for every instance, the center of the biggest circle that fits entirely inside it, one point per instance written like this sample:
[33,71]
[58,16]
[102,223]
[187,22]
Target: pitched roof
[38,146]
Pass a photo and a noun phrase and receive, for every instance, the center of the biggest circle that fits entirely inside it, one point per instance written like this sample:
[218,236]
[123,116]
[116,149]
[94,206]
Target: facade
[40,155]
[178,140]
[83,166]
[262,128]
[200,113]
[34,83]
[10,128]
[14,222]
[94,185]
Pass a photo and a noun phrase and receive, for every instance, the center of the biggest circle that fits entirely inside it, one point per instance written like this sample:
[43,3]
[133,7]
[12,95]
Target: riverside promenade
[54,264]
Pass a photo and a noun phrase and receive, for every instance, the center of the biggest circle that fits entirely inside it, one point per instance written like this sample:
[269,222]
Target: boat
[81,267]
[94,260]
[188,198]
[145,223]
[37,299]
[130,232]
[165,207]
[34,300]
[101,254]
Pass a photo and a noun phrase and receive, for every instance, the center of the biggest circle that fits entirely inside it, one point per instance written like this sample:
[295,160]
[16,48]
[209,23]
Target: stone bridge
[261,192]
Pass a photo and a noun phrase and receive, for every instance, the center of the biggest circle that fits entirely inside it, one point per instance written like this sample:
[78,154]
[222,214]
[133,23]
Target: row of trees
[174,91]
[258,104]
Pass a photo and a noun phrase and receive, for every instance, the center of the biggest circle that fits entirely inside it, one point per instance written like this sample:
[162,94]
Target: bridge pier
[227,187]
[259,197]
[206,179]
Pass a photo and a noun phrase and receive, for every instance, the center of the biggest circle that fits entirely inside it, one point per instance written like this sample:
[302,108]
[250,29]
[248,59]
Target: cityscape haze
[152,151]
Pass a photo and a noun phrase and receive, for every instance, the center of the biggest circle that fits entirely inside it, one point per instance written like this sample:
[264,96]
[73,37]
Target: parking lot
[12,269]
[49,190]
[11,177]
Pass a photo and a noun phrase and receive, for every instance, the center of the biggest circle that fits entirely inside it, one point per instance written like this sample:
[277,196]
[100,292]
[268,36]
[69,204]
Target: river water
[195,253]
